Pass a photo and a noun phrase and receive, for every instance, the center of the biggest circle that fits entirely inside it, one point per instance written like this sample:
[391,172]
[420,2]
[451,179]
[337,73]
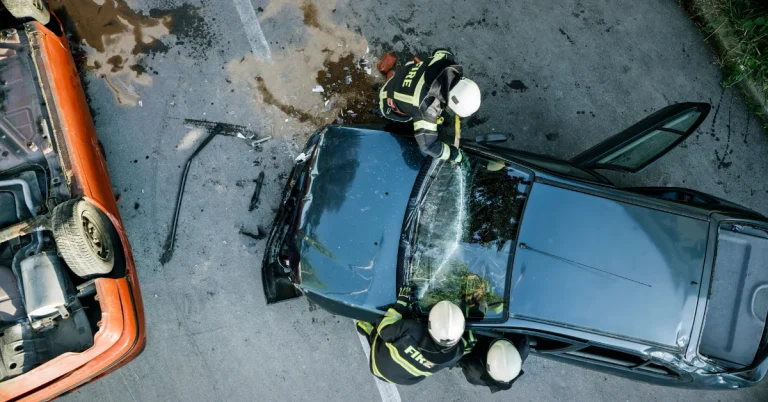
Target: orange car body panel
[121,336]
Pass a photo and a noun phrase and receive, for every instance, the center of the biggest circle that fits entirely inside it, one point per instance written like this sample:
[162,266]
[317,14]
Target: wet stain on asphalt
[310,15]
[347,82]
[291,111]
[116,39]
[517,85]
[571,41]
[725,160]
[714,116]
[189,25]
[116,62]
[553,136]
[96,23]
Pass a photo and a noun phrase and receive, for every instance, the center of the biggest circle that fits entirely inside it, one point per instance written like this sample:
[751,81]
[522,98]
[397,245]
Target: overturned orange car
[70,305]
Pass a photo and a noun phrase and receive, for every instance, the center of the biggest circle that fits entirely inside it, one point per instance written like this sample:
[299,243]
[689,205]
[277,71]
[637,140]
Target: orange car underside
[120,336]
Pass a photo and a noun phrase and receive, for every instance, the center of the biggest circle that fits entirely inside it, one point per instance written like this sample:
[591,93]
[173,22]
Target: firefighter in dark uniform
[421,90]
[405,351]
[495,363]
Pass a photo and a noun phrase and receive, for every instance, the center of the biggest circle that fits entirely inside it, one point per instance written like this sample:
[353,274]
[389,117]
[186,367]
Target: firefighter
[405,350]
[495,363]
[420,91]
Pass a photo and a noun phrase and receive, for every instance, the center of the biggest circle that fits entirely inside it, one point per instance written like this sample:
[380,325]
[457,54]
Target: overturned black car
[663,285]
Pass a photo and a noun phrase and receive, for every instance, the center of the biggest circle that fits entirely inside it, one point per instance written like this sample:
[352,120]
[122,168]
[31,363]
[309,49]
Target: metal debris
[261,140]
[259,235]
[256,192]
[231,130]
[214,129]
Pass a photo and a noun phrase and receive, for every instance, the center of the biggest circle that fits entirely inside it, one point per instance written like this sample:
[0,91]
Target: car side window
[587,352]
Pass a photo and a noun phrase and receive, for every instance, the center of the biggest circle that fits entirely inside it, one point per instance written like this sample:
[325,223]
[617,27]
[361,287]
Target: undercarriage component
[22,348]
[45,288]
[30,226]
[11,307]
[83,238]
[26,136]
[27,200]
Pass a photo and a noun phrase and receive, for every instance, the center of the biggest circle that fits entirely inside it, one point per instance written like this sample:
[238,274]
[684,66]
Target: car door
[543,163]
[604,358]
[635,148]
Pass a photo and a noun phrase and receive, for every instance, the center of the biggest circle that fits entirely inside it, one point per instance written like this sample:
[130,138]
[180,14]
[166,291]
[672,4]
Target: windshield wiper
[422,195]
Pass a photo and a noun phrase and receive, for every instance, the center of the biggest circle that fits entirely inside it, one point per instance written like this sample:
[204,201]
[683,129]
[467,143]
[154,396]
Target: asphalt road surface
[558,75]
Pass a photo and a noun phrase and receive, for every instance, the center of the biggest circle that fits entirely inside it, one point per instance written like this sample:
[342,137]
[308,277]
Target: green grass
[747,21]
[739,31]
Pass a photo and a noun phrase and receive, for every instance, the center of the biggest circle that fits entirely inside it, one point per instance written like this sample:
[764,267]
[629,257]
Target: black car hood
[352,214]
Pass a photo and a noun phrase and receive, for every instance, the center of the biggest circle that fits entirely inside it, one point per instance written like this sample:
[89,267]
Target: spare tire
[82,235]
[23,9]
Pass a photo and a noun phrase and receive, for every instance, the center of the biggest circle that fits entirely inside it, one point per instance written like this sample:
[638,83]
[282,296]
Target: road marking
[253,32]
[387,391]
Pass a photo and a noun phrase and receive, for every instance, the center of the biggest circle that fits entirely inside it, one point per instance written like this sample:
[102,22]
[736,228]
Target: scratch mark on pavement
[717,110]
[723,162]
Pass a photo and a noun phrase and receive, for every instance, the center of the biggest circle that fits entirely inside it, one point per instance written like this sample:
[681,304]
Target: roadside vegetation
[739,31]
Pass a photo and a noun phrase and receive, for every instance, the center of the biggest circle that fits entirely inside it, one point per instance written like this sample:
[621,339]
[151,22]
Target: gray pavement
[558,75]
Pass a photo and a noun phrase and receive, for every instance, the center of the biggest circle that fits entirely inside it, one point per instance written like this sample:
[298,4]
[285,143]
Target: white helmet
[503,362]
[464,98]
[446,323]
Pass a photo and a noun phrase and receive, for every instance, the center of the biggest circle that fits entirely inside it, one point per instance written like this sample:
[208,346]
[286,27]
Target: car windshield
[464,236]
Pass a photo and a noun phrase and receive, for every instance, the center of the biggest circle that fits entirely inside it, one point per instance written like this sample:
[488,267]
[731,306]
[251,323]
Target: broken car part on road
[214,129]
[256,192]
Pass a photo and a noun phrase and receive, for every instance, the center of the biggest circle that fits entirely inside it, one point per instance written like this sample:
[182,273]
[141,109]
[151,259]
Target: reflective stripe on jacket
[402,351]
[419,92]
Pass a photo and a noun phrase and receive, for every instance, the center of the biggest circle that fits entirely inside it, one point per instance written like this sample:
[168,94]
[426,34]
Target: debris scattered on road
[231,130]
[301,158]
[256,192]
[348,82]
[259,235]
[261,140]
[318,89]
[214,129]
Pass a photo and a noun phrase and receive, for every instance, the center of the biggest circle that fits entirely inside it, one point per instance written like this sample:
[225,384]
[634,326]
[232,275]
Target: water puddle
[325,80]
[116,39]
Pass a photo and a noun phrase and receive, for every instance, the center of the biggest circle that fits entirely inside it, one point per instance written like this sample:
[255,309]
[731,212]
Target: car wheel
[83,238]
[23,9]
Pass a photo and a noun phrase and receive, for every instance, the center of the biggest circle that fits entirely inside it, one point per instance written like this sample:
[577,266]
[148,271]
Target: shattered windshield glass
[465,235]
